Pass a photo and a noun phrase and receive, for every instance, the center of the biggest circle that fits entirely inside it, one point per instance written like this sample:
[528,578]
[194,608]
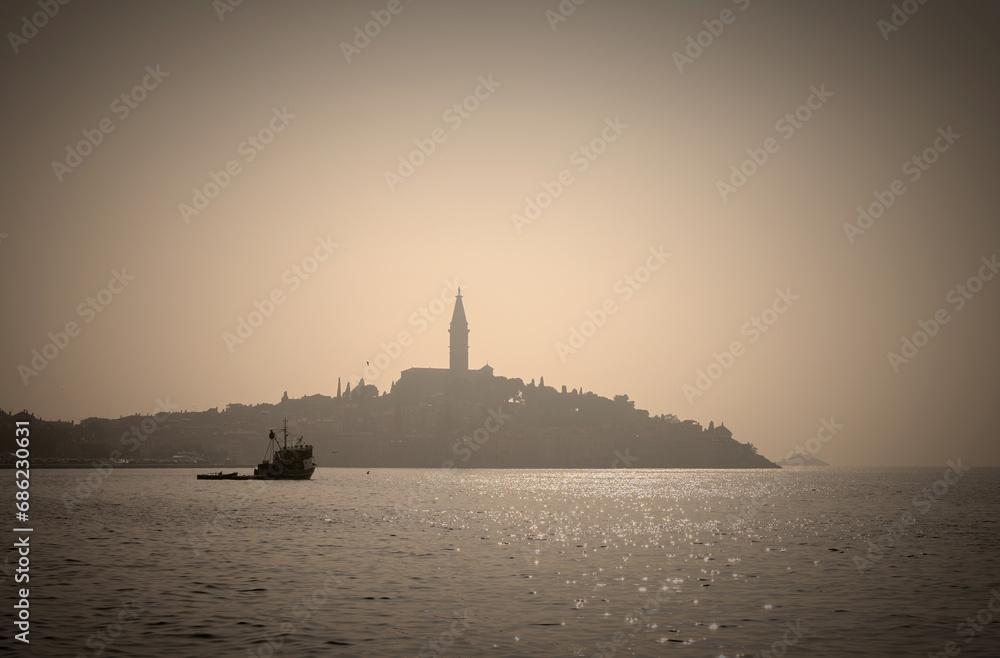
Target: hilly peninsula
[428,419]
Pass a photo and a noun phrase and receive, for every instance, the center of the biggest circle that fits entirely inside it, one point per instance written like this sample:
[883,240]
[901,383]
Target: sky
[781,216]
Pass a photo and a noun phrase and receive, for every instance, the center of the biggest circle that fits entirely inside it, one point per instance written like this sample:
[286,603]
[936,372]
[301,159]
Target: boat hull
[268,474]
[259,476]
[218,476]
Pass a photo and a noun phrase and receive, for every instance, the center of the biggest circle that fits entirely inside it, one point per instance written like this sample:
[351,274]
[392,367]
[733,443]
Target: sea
[435,562]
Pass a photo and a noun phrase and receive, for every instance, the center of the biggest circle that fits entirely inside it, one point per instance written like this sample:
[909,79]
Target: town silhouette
[453,417]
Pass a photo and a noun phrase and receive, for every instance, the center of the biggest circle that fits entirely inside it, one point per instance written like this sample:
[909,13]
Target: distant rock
[802,459]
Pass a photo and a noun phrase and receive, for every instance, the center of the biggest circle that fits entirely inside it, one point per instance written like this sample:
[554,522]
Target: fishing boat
[288,462]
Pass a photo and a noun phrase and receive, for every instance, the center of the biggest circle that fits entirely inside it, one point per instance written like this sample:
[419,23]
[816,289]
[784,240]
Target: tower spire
[459,330]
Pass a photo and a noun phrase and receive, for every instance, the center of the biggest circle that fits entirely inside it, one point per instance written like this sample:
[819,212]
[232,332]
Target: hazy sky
[626,132]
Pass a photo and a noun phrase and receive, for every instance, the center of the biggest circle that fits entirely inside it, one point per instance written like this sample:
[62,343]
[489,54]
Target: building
[423,384]
[458,350]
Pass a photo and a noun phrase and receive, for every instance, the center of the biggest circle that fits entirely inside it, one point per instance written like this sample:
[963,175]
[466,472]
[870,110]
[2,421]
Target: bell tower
[459,348]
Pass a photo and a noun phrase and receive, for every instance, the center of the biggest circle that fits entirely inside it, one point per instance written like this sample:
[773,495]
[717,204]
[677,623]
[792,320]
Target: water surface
[503,563]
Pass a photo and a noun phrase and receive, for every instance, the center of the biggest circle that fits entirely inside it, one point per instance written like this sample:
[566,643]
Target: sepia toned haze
[663,134]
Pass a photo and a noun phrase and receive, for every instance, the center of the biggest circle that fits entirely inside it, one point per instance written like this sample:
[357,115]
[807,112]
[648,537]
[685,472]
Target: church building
[416,384]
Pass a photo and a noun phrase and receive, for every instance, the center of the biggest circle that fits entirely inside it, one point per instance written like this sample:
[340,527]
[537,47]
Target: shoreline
[226,467]
[103,464]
